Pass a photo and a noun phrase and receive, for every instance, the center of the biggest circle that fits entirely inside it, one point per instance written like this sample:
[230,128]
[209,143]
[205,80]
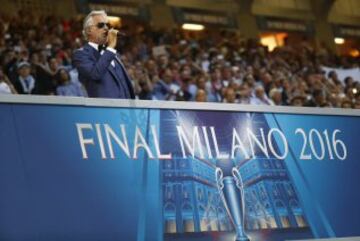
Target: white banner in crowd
[343,73]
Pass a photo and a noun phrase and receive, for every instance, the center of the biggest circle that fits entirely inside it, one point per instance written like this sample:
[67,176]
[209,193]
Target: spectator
[276,96]
[143,85]
[318,99]
[229,96]
[46,83]
[244,94]
[217,63]
[201,96]
[346,103]
[25,82]
[166,88]
[6,87]
[260,97]
[213,88]
[357,104]
[65,86]
[298,100]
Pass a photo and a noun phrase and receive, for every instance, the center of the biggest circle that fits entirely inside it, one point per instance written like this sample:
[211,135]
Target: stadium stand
[172,64]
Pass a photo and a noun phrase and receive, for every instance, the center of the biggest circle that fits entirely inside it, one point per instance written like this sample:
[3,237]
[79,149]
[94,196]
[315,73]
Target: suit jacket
[20,89]
[98,75]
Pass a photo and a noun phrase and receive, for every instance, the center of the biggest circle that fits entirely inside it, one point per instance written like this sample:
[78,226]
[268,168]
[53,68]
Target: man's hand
[112,38]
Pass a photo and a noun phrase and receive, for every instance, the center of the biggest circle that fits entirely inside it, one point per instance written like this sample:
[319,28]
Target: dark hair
[332,72]
[57,76]
[347,79]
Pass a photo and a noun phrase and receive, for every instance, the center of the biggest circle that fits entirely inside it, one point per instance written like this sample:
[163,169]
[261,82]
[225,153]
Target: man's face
[297,102]
[244,91]
[259,92]
[64,76]
[230,95]
[163,60]
[24,71]
[98,31]
[53,64]
[267,78]
[201,96]
[168,77]
[216,75]
[277,98]
[201,84]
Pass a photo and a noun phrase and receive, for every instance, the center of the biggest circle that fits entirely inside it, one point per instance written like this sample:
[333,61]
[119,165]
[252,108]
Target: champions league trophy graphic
[231,191]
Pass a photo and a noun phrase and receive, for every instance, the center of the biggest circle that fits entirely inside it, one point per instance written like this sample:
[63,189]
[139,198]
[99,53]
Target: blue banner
[139,171]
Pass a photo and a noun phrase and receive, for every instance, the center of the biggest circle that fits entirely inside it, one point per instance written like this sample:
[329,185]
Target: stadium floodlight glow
[354,53]
[113,18]
[339,40]
[193,27]
[114,21]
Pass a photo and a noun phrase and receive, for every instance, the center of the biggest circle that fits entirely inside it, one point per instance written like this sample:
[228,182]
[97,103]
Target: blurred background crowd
[172,64]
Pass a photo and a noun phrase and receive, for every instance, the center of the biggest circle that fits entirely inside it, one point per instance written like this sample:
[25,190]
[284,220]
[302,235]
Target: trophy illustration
[231,191]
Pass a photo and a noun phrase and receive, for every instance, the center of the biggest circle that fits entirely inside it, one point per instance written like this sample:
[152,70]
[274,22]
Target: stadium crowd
[170,64]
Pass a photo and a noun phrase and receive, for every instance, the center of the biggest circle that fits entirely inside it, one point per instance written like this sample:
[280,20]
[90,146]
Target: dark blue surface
[327,187]
[49,192]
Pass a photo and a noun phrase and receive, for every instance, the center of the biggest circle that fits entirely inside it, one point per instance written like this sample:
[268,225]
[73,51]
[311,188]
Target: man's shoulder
[83,52]
[84,48]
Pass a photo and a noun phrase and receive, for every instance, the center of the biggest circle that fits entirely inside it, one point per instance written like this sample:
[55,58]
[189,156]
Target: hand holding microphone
[112,37]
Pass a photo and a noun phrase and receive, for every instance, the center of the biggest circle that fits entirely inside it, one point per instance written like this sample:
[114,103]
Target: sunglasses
[102,25]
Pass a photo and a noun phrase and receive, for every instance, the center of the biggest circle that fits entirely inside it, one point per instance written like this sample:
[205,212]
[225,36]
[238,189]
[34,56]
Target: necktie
[27,84]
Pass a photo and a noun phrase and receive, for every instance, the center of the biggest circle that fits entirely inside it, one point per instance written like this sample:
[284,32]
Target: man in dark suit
[100,69]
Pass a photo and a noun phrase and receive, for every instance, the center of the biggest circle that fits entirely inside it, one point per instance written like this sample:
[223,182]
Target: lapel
[127,78]
[97,55]
[113,73]
[120,63]
[112,69]
[122,67]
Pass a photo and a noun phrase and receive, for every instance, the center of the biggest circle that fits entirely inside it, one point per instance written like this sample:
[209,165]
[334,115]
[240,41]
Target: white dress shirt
[96,46]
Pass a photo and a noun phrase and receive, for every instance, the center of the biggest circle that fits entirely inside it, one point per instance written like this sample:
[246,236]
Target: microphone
[118,33]
[121,34]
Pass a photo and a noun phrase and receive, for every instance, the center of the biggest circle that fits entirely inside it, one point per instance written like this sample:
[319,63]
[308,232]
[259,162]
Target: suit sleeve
[88,67]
